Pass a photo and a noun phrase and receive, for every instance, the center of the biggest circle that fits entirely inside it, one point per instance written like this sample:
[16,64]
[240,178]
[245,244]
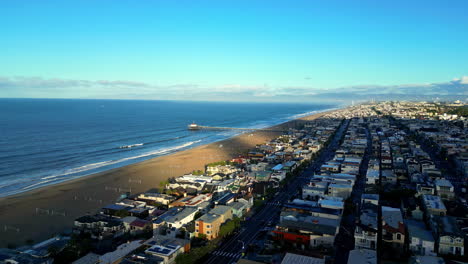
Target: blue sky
[130,49]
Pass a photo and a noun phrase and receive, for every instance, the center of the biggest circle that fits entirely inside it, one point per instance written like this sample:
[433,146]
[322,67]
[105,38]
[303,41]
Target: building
[444,189]
[210,223]
[291,258]
[157,198]
[365,233]
[314,190]
[362,256]
[426,260]
[302,229]
[176,217]
[99,226]
[434,205]
[370,198]
[421,241]
[342,190]
[167,251]
[372,176]
[448,235]
[121,251]
[393,227]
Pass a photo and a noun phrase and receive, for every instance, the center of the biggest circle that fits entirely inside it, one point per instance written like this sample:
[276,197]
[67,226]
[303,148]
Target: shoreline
[42,212]
[110,168]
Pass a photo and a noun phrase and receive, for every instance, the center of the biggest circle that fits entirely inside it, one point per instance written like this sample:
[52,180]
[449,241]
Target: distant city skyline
[242,50]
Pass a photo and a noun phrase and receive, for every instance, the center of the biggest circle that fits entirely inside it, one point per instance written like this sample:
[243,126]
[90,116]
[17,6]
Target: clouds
[462,80]
[37,87]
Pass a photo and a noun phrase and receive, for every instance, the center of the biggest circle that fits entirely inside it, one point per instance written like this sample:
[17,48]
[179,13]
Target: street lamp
[243,244]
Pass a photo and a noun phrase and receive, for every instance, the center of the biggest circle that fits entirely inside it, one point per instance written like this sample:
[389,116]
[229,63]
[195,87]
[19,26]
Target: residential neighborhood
[373,183]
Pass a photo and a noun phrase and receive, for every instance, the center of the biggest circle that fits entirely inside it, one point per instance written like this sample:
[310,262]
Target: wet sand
[43,212]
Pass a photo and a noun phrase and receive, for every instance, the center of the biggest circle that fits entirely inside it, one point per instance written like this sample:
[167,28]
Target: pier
[194,126]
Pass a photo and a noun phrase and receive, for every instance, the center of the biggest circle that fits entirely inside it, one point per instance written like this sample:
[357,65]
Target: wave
[311,113]
[131,146]
[98,165]
[59,149]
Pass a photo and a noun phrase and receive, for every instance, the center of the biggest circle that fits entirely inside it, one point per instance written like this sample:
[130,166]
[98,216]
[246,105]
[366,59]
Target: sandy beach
[43,212]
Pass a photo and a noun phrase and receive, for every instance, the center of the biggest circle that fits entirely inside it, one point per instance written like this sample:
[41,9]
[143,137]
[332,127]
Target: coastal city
[376,182]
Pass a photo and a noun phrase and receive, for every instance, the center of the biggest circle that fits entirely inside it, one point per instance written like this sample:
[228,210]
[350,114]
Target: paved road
[231,249]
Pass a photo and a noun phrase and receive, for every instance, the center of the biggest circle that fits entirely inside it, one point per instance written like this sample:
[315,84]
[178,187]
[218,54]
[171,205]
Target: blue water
[45,141]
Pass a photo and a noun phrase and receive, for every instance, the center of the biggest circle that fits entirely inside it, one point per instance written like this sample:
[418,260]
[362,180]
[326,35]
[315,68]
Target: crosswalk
[227,254]
[275,203]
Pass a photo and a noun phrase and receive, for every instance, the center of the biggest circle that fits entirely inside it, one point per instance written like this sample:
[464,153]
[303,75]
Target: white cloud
[464,80]
[123,89]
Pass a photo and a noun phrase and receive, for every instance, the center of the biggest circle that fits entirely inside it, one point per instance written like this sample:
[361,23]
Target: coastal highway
[232,248]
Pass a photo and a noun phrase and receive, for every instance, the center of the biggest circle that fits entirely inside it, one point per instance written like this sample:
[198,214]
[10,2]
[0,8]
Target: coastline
[40,213]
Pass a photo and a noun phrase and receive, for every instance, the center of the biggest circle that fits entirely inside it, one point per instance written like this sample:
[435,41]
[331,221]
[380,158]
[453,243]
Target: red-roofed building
[140,225]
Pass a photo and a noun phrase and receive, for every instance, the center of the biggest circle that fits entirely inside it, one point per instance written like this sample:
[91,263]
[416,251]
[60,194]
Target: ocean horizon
[48,141]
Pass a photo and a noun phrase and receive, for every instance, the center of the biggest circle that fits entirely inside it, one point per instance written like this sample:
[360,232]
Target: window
[398,237]
[208,232]
[208,226]
[196,230]
[196,224]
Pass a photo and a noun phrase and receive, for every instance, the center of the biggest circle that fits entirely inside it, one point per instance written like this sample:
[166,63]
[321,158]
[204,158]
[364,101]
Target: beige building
[210,223]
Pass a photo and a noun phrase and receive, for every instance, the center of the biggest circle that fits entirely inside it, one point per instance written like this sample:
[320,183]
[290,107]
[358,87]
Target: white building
[421,241]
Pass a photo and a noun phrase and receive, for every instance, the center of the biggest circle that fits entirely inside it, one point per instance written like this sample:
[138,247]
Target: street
[231,249]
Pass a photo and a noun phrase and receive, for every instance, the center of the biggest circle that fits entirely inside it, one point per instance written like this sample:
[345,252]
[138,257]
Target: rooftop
[165,249]
[392,216]
[291,258]
[362,256]
[418,229]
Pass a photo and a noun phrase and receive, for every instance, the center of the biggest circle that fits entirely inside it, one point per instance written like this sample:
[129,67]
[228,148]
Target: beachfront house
[99,226]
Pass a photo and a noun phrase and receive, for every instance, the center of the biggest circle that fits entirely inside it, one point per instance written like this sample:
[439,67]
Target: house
[226,198]
[121,251]
[393,227]
[448,235]
[99,226]
[424,188]
[180,202]
[342,190]
[139,226]
[444,189]
[166,250]
[372,176]
[196,201]
[289,166]
[421,241]
[238,208]
[370,198]
[365,233]
[434,205]
[115,210]
[314,190]
[362,256]
[330,168]
[175,217]
[224,169]
[156,198]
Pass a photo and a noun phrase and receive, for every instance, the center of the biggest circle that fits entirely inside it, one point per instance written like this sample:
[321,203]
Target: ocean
[46,141]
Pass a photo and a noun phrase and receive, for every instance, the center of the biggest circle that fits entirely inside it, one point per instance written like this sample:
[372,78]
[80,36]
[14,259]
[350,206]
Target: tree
[197,172]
